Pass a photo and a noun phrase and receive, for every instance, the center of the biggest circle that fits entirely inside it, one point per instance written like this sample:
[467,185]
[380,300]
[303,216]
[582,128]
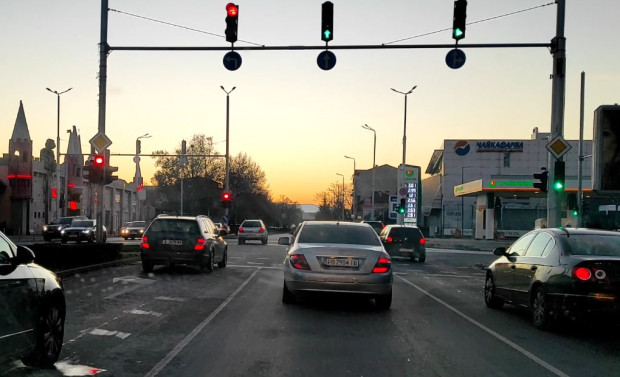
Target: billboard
[606,148]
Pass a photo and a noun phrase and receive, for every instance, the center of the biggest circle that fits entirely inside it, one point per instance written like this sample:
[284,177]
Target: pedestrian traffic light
[559,177]
[95,169]
[543,177]
[327,21]
[226,199]
[458,22]
[232,22]
[402,207]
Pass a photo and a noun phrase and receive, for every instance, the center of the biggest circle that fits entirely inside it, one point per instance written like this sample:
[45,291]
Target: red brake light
[422,241]
[383,265]
[582,273]
[144,244]
[200,244]
[240,230]
[261,230]
[299,262]
[389,239]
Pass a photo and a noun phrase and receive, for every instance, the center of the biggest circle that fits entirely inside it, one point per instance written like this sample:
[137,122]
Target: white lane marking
[494,334]
[122,291]
[263,258]
[235,257]
[143,312]
[102,332]
[183,343]
[164,298]
[456,251]
[478,276]
[132,279]
[258,267]
[256,263]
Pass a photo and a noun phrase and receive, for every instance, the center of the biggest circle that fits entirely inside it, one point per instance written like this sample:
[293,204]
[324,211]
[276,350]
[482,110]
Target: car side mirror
[284,241]
[24,255]
[499,251]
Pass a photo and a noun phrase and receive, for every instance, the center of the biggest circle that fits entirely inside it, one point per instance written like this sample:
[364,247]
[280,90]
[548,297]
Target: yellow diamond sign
[558,146]
[100,142]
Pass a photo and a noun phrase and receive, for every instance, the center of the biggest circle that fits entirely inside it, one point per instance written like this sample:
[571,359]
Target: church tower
[20,172]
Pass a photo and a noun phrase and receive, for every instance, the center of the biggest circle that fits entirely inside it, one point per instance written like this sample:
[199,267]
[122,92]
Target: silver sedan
[332,256]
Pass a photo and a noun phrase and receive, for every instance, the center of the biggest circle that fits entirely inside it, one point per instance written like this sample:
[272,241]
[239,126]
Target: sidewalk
[467,244]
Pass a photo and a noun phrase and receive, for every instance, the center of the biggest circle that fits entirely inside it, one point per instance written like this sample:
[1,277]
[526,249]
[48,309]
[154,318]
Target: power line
[176,25]
[470,23]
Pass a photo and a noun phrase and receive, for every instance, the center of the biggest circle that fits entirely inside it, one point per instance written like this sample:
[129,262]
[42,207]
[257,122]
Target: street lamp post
[58,147]
[353,206]
[139,173]
[342,199]
[405,117]
[372,185]
[227,178]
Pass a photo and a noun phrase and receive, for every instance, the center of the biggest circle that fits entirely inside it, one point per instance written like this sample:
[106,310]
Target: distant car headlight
[45,228]
[124,231]
[141,231]
[62,231]
[86,231]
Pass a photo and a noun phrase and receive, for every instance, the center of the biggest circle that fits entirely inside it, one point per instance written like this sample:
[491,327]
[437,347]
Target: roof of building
[20,130]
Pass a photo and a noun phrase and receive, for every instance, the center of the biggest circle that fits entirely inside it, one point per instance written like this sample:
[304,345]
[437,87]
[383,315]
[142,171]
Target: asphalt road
[231,322]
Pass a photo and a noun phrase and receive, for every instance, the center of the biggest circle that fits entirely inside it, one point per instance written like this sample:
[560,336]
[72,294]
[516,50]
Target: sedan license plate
[172,242]
[341,262]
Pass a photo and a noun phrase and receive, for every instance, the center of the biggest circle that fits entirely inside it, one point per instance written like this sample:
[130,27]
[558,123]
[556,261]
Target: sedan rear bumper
[374,284]
[591,304]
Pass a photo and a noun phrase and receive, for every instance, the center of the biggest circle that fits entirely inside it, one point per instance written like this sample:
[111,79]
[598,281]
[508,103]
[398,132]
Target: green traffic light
[458,33]
[558,186]
[327,33]
[575,213]
[401,211]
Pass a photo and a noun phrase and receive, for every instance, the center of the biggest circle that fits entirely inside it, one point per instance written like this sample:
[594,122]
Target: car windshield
[174,225]
[136,224]
[251,224]
[82,223]
[599,245]
[339,234]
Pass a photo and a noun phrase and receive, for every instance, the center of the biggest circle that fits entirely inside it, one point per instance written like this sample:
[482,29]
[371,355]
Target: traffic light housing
[96,168]
[402,207]
[226,199]
[232,22]
[543,177]
[327,21]
[109,176]
[559,177]
[458,22]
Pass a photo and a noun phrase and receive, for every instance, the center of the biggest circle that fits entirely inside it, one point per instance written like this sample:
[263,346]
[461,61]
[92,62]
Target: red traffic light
[232,9]
[99,160]
[226,196]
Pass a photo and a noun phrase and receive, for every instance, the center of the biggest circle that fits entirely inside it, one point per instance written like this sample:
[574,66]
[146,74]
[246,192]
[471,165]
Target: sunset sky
[295,120]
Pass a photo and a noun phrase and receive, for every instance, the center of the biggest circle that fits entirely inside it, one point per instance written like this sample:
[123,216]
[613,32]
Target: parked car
[81,230]
[332,256]
[406,241]
[252,230]
[32,308]
[53,229]
[558,274]
[190,240]
[223,228]
[375,224]
[133,229]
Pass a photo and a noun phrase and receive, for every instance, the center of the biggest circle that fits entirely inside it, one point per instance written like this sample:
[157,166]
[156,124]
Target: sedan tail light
[144,244]
[240,230]
[389,239]
[200,244]
[422,241]
[383,265]
[299,262]
[261,230]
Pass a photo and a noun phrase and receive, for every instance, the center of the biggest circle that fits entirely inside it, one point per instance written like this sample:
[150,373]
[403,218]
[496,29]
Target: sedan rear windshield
[324,233]
[178,226]
[601,245]
[251,224]
[82,224]
[406,232]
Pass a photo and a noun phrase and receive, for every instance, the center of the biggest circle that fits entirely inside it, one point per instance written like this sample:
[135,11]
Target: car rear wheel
[288,297]
[224,261]
[147,267]
[490,297]
[210,265]
[49,336]
[383,302]
[541,310]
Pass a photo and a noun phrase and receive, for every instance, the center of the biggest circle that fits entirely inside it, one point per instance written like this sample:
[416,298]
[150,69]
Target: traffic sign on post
[455,59]
[326,60]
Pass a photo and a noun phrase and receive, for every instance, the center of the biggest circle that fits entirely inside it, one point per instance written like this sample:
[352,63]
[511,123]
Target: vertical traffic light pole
[554,197]
[103,58]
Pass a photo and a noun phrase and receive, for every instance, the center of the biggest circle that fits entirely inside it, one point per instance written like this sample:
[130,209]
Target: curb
[92,267]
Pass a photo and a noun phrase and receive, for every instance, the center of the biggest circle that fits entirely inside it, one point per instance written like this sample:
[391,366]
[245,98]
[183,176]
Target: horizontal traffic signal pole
[164,155]
[331,47]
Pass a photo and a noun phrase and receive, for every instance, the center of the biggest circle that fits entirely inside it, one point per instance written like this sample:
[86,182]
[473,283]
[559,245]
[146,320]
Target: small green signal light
[558,186]
[458,33]
[575,213]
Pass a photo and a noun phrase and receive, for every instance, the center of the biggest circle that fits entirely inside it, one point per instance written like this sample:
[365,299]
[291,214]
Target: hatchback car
[558,274]
[133,229]
[341,257]
[252,230]
[81,230]
[405,241]
[191,240]
[32,308]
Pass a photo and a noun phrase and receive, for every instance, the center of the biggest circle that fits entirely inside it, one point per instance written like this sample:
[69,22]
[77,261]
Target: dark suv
[192,240]
[53,229]
[407,241]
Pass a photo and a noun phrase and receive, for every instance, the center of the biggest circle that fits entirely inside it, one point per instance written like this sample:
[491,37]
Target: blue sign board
[455,59]
[232,61]
[326,60]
